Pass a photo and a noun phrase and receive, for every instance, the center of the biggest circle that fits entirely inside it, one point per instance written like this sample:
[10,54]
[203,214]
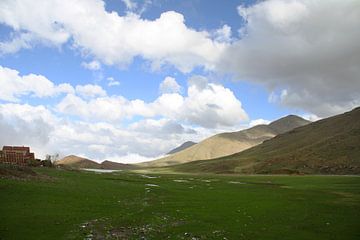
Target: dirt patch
[346,197]
[103,228]
[20,173]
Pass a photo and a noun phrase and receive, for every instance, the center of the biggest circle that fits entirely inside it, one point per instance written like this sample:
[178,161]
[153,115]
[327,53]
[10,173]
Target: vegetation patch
[123,205]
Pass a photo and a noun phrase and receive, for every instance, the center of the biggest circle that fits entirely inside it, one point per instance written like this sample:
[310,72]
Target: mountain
[328,146]
[183,146]
[229,143]
[77,162]
[116,166]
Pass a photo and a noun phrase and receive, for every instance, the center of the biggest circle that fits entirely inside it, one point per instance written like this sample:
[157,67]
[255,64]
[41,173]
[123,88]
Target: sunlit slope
[77,162]
[229,143]
[328,146]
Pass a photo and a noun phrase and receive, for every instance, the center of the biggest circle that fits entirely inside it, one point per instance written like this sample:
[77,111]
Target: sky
[129,80]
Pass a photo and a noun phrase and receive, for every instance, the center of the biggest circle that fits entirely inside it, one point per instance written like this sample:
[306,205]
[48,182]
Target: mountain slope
[229,143]
[116,166]
[183,146]
[328,146]
[77,162]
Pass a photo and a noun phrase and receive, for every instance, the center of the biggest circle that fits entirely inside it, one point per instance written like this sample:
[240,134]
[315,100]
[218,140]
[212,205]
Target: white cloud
[206,104]
[169,85]
[310,117]
[112,82]
[37,127]
[130,4]
[90,90]
[302,48]
[162,128]
[93,65]
[18,42]
[26,125]
[132,158]
[212,105]
[113,39]
[101,134]
[223,34]
[111,109]
[259,121]
[13,86]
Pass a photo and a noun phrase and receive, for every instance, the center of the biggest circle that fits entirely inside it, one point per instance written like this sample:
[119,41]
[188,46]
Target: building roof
[16,148]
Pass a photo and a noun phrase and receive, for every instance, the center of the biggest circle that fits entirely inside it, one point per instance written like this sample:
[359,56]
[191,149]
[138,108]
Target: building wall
[16,155]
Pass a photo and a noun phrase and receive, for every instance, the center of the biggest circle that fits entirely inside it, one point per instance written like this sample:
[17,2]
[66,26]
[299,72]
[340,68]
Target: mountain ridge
[327,146]
[224,144]
[74,161]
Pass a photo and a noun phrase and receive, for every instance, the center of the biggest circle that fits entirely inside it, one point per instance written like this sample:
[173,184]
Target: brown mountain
[328,146]
[229,143]
[116,166]
[77,162]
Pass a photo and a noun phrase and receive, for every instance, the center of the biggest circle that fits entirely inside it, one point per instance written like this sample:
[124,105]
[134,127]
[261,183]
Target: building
[16,155]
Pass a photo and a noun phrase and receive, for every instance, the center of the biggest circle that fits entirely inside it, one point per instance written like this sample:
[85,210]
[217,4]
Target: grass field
[85,205]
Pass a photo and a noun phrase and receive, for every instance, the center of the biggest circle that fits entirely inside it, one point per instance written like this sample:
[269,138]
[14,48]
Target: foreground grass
[85,205]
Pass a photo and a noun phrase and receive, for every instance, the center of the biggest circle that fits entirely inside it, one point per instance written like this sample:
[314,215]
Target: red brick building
[16,155]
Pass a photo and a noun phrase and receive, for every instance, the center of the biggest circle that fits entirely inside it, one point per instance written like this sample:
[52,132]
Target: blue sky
[128,80]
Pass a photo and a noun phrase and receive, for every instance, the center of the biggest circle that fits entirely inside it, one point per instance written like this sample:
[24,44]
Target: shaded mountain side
[183,146]
[229,143]
[328,146]
[117,166]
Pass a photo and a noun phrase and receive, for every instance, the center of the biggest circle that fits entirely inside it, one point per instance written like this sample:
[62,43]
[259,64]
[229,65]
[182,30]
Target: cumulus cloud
[25,125]
[107,108]
[223,34]
[206,104]
[162,127]
[90,90]
[304,52]
[169,85]
[212,105]
[130,4]
[46,133]
[19,41]
[112,82]
[101,140]
[13,85]
[100,132]
[165,40]
[259,121]
[93,65]
[300,47]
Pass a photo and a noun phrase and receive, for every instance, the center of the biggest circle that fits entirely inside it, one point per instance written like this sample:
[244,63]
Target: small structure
[16,155]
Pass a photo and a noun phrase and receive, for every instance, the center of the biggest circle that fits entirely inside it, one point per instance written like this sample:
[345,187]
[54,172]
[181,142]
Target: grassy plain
[125,205]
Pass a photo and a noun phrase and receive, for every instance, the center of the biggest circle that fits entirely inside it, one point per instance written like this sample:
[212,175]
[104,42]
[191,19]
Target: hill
[229,143]
[183,146]
[77,162]
[328,146]
[116,166]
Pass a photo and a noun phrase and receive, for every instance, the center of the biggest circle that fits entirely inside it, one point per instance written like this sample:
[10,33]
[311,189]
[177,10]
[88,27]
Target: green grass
[77,205]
